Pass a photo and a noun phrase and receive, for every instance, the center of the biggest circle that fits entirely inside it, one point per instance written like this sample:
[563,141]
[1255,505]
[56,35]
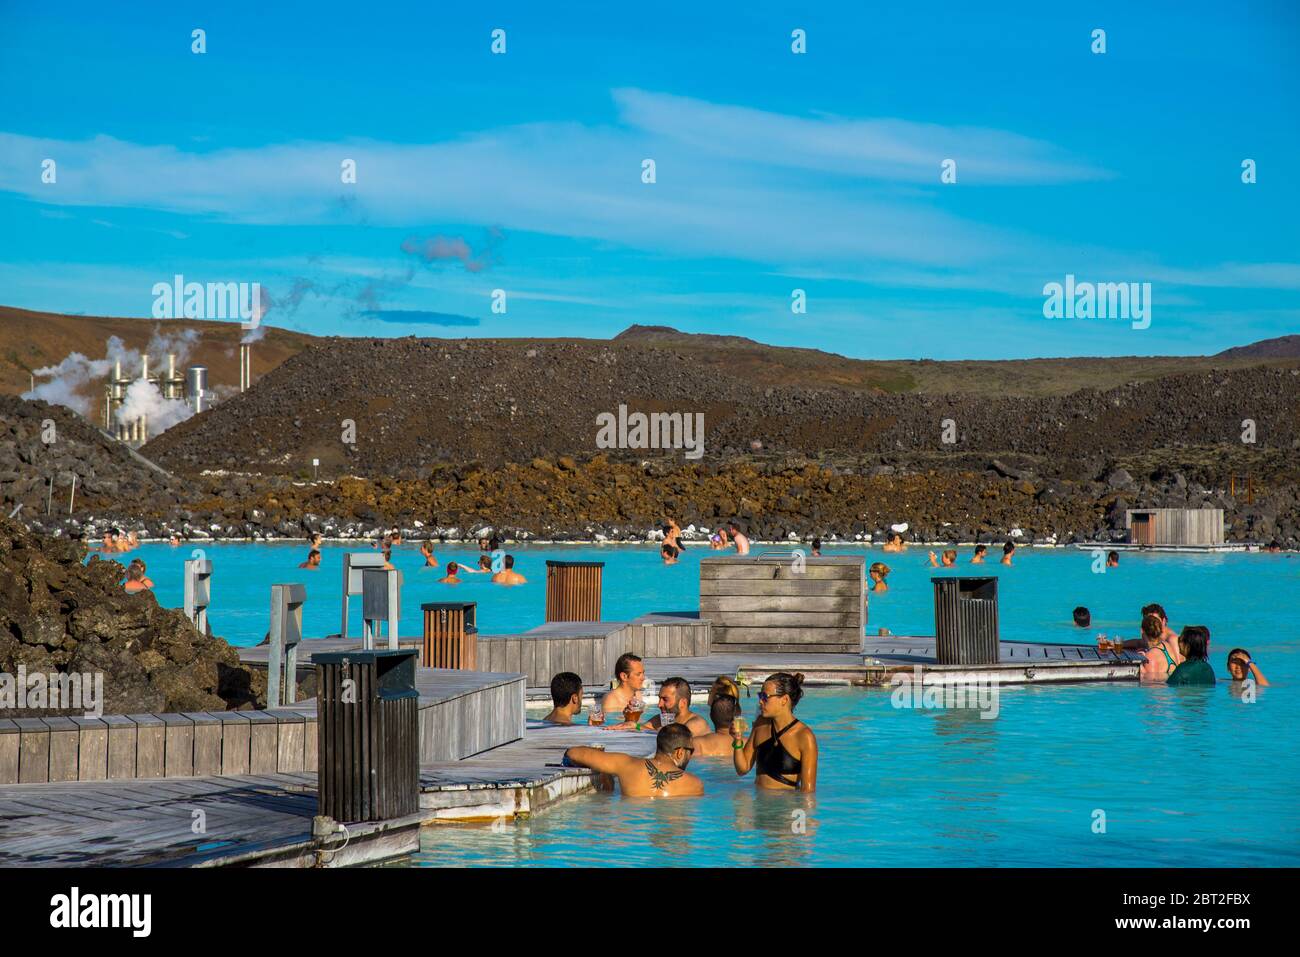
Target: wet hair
[134,573]
[1152,629]
[671,737]
[1008,548]
[563,687]
[1154,609]
[880,568]
[723,685]
[624,664]
[508,561]
[732,526]
[981,549]
[1112,556]
[950,553]
[1194,642]
[314,553]
[1242,654]
[1082,617]
[723,711]
[668,550]
[484,562]
[452,568]
[682,687]
[816,543]
[788,684]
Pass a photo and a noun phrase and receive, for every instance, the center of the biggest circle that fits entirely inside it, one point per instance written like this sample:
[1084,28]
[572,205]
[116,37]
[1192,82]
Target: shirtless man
[673,534]
[629,672]
[949,559]
[450,578]
[978,557]
[313,559]
[895,543]
[663,775]
[508,575]
[739,538]
[674,700]
[1008,550]
[668,553]
[566,695]
[717,743]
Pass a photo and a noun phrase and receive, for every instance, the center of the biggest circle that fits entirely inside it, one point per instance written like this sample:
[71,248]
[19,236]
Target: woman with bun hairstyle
[782,748]
[723,685]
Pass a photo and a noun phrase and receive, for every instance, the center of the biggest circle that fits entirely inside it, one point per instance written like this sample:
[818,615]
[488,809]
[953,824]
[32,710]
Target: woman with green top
[1194,643]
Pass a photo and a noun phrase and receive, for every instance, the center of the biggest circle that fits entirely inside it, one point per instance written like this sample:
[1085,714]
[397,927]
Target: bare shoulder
[690,784]
[806,735]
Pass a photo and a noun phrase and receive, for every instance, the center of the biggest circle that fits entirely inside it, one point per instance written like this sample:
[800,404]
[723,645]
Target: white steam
[160,414]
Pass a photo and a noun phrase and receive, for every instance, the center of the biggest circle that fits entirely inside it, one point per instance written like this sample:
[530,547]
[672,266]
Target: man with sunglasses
[663,775]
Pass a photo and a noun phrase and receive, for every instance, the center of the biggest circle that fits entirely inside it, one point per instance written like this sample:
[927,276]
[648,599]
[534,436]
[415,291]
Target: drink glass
[595,715]
[666,718]
[634,710]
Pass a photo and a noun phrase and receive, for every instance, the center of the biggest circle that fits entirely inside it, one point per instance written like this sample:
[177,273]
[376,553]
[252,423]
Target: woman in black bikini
[782,747]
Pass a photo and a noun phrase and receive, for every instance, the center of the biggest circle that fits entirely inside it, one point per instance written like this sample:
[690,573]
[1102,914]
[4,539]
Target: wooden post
[573,591]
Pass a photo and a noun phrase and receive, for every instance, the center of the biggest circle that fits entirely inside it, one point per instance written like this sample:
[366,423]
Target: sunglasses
[764,696]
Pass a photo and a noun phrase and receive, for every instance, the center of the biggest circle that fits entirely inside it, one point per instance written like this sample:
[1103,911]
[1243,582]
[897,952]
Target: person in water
[895,543]
[723,685]
[718,540]
[426,549]
[949,559]
[388,558]
[878,572]
[782,748]
[1112,559]
[566,696]
[484,567]
[1160,657]
[978,557]
[134,579]
[317,539]
[508,575]
[1008,550]
[629,678]
[673,534]
[663,775]
[668,554]
[1241,667]
[313,559]
[739,539]
[723,710]
[1194,643]
[675,701]
[1082,617]
[816,548]
[144,572]
[450,578]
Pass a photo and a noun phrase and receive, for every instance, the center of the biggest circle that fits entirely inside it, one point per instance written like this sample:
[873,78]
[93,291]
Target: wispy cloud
[418,317]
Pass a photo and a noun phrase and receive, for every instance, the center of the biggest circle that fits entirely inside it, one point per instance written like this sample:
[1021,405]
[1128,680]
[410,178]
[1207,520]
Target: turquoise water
[1184,777]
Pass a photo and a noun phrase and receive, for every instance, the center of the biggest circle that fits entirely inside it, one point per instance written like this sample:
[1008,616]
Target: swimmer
[316,540]
[675,708]
[978,557]
[1195,670]
[1082,617]
[949,559]
[668,554]
[673,534]
[566,696]
[739,539]
[663,775]
[450,578]
[174,541]
[484,566]
[723,685]
[1008,550]
[718,540]
[629,680]
[313,559]
[895,543]
[508,575]
[388,558]
[723,710]
[782,747]
[1160,656]
[816,548]
[1241,666]
[1112,559]
[135,579]
[144,574]
[395,536]
[879,571]
[426,549]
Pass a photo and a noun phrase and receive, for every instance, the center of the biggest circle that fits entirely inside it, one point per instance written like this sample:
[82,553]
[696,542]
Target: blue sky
[775,171]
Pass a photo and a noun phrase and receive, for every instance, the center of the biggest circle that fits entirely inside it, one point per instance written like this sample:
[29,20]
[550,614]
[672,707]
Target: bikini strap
[776,735]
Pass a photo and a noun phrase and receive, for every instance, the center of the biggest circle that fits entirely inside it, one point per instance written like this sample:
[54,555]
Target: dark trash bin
[966,621]
[368,735]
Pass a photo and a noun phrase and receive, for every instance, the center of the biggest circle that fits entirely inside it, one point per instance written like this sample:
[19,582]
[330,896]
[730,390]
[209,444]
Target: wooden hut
[1174,526]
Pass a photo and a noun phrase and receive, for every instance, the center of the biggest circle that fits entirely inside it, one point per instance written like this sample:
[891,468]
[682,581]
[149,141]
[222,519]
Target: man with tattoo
[663,775]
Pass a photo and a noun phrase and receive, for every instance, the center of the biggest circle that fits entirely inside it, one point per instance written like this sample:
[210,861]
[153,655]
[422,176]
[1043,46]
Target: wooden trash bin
[368,735]
[450,635]
[966,621]
[573,591]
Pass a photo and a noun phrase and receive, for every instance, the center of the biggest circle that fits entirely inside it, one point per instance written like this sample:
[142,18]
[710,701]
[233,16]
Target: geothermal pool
[1179,777]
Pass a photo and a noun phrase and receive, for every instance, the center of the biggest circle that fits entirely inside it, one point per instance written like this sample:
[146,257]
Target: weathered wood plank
[9,742]
[760,587]
[34,751]
[150,746]
[780,571]
[64,747]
